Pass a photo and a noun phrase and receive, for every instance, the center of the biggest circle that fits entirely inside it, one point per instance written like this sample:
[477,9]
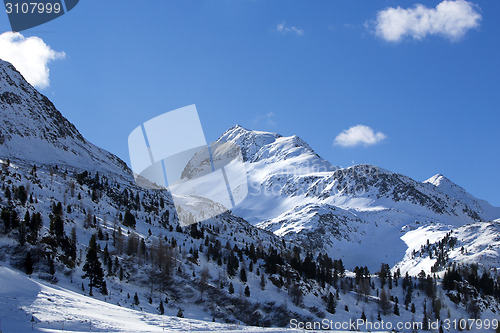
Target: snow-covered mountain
[278,255]
[76,193]
[472,244]
[33,130]
[457,193]
[293,192]
[300,196]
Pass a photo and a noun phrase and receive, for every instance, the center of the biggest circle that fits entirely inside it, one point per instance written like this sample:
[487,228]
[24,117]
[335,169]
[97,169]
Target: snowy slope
[32,129]
[48,188]
[455,192]
[27,304]
[363,215]
[288,180]
[475,243]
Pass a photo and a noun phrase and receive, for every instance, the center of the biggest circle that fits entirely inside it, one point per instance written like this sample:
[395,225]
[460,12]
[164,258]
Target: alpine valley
[83,248]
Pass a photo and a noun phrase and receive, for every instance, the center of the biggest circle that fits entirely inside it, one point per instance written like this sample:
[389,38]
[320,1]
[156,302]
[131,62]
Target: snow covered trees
[93,269]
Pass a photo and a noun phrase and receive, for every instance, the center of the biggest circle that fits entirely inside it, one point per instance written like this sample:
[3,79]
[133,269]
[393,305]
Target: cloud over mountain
[359,135]
[30,55]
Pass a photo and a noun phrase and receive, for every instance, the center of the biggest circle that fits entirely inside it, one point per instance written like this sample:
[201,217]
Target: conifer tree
[33,227]
[243,275]
[136,299]
[232,264]
[203,283]
[14,219]
[8,194]
[72,243]
[22,233]
[58,224]
[384,303]
[383,274]
[28,264]
[104,288]
[22,195]
[27,219]
[93,269]
[129,220]
[296,293]
[425,320]
[396,309]
[331,304]
[262,281]
[161,309]
[5,217]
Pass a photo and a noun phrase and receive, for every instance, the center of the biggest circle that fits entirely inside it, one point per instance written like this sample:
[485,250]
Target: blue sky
[311,68]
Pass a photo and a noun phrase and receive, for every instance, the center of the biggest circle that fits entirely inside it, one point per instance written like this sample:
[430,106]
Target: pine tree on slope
[93,269]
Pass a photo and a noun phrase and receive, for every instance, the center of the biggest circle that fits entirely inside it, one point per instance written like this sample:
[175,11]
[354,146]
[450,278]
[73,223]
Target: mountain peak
[237,127]
[238,130]
[452,190]
[4,63]
[32,129]
[11,79]
[446,186]
[250,142]
[439,180]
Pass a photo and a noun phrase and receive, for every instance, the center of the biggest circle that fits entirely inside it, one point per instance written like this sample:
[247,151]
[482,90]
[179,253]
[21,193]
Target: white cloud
[450,19]
[358,135]
[282,28]
[29,55]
